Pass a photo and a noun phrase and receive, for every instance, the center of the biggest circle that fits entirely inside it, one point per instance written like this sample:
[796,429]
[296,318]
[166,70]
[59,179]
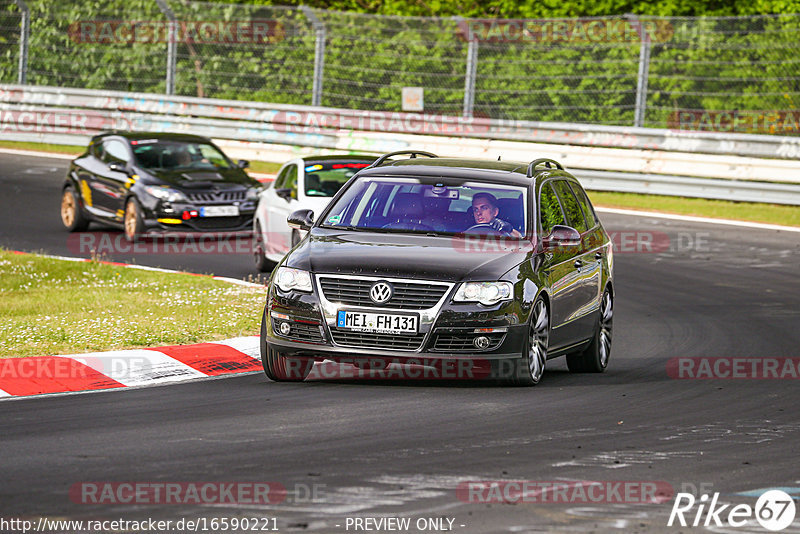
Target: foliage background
[374,48]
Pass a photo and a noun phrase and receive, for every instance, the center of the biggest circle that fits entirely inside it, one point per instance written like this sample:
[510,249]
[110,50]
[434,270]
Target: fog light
[285,328]
[481,342]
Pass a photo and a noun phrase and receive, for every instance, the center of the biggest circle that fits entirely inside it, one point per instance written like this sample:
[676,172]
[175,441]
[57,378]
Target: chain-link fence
[717,74]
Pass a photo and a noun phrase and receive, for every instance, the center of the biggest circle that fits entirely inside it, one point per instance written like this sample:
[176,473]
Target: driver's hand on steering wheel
[504,227]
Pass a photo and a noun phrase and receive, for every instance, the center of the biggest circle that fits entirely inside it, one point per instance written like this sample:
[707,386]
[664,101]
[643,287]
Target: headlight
[486,293]
[165,193]
[288,279]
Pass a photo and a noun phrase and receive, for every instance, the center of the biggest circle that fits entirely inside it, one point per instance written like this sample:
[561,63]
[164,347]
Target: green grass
[720,209]
[267,167]
[43,147]
[52,306]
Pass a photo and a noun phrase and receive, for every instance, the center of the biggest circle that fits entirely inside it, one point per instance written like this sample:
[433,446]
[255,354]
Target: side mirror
[562,236]
[117,167]
[284,193]
[301,219]
[242,163]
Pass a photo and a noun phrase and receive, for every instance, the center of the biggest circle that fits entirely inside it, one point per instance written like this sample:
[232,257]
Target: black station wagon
[424,259]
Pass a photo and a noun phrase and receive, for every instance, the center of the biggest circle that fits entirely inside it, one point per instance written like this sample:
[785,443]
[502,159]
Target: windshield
[173,155]
[325,178]
[430,205]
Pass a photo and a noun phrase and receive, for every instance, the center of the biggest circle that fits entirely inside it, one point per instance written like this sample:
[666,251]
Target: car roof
[161,136]
[504,172]
[340,157]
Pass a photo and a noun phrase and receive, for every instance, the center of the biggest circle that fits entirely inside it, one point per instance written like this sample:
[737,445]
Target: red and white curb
[41,375]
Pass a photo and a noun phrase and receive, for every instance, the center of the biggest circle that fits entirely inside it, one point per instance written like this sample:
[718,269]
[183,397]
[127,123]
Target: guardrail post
[469,79]
[172,44]
[644,70]
[24,34]
[319,55]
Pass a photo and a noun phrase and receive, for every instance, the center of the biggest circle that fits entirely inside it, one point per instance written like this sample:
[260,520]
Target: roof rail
[413,154]
[535,163]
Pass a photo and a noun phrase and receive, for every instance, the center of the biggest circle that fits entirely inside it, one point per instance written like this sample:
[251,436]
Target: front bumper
[449,335]
[162,216]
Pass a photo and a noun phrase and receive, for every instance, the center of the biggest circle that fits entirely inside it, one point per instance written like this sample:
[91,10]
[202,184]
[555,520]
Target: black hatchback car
[425,259]
[158,182]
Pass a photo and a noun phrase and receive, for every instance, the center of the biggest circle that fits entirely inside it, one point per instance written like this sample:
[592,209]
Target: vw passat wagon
[497,266]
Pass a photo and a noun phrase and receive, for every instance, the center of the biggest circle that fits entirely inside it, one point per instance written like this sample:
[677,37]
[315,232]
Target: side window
[287,179]
[281,179]
[549,209]
[97,150]
[571,208]
[291,180]
[586,206]
[114,151]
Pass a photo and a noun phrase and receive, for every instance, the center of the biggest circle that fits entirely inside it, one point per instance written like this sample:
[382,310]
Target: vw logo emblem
[380,292]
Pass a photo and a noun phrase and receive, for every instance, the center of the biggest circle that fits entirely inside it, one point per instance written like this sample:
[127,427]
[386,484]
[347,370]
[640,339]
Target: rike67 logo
[774,510]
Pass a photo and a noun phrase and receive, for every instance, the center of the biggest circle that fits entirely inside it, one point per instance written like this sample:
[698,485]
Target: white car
[302,183]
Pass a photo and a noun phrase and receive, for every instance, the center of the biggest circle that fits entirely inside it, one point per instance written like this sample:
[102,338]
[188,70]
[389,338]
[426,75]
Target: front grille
[217,197]
[218,223]
[406,296]
[462,342]
[309,333]
[376,341]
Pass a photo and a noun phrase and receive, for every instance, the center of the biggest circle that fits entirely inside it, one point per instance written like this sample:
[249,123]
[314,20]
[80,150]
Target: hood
[203,178]
[408,256]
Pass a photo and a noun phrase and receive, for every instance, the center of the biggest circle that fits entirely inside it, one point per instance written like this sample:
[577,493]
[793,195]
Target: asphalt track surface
[388,448]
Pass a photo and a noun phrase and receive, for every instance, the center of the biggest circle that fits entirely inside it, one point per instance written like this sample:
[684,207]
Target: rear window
[325,178]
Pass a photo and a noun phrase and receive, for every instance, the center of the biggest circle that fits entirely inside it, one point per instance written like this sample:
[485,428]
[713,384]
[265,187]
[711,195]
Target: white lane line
[239,282]
[248,345]
[138,367]
[691,218]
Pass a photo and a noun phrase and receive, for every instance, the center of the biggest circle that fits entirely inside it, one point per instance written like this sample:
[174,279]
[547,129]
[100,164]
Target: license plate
[379,323]
[219,211]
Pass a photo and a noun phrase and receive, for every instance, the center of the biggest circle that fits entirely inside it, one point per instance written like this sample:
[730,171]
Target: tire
[132,221]
[594,358]
[528,370]
[280,368]
[71,214]
[262,263]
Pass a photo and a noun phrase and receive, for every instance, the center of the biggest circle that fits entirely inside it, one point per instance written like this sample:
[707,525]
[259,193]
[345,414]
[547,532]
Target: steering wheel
[483,229]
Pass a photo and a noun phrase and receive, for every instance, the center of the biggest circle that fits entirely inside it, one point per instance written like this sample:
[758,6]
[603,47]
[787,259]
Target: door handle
[598,255]
[578,264]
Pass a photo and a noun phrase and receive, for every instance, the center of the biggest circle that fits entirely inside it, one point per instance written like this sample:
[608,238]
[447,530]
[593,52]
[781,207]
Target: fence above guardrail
[728,74]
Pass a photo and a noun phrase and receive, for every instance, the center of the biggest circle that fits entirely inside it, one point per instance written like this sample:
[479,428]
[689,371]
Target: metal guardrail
[641,160]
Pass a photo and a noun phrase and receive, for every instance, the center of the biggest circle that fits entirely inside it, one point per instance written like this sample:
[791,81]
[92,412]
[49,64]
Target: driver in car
[485,210]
